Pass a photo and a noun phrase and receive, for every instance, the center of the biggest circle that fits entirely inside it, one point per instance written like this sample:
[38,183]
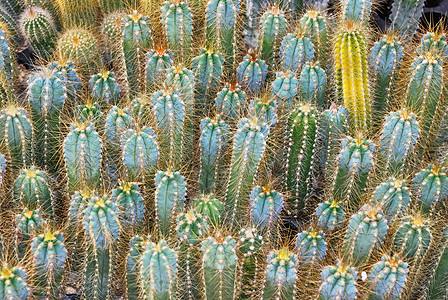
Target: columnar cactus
[82,153]
[157,62]
[296,50]
[47,94]
[311,246]
[66,71]
[169,197]
[350,56]
[330,214]
[354,164]
[178,22]
[169,111]
[285,86]
[313,85]
[159,271]
[433,41]
[6,58]
[140,152]
[16,133]
[104,88]
[29,223]
[49,255]
[90,113]
[385,60]
[133,267]
[213,143]
[31,190]
[437,285]
[210,207]
[102,229]
[281,275]
[250,252]
[273,26]
[431,186]
[182,80]
[40,30]
[353,10]
[406,15]
[219,262]
[412,237]
[338,282]
[230,102]
[248,147]
[265,110]
[13,283]
[301,141]
[265,205]
[398,138]
[388,277]
[365,233]
[251,73]
[314,23]
[394,196]
[137,39]
[131,207]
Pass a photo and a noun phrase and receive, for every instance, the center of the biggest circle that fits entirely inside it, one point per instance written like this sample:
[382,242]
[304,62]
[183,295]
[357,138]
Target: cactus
[251,73]
[6,58]
[388,277]
[412,237]
[266,205]
[3,165]
[178,22]
[433,41]
[90,112]
[350,56]
[77,13]
[102,229]
[66,71]
[437,286]
[40,31]
[398,138]
[311,245]
[169,110]
[182,80]
[79,46]
[431,186]
[250,250]
[133,267]
[82,153]
[108,6]
[385,60]
[29,223]
[131,207]
[405,15]
[301,141]
[221,18]
[219,263]
[157,61]
[353,10]
[210,207]
[16,133]
[13,283]
[265,109]
[354,164]
[8,24]
[213,144]
[159,270]
[248,148]
[338,282]
[313,22]
[281,275]
[365,233]
[231,101]
[330,214]
[49,255]
[169,197]
[285,86]
[394,196]
[104,88]
[112,31]
[137,39]
[273,26]
[31,189]
[140,152]
[47,94]
[296,50]
[313,85]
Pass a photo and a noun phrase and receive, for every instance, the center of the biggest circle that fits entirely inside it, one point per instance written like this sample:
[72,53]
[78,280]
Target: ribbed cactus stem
[338,282]
[210,207]
[330,214]
[273,26]
[13,283]
[313,85]
[405,15]
[356,10]
[104,88]
[231,102]
[250,244]
[133,268]
[394,196]
[412,237]
[29,223]
[311,246]
[315,24]
[266,205]
[251,73]
[296,50]
[388,277]
[431,186]
[158,60]
[131,207]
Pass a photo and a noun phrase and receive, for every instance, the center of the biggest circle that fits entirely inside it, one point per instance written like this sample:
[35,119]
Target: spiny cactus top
[388,277]
[311,245]
[49,252]
[338,282]
[13,283]
[191,227]
[431,185]
[266,205]
[210,207]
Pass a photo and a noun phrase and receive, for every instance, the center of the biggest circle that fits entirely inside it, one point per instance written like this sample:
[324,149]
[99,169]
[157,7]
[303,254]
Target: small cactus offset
[29,223]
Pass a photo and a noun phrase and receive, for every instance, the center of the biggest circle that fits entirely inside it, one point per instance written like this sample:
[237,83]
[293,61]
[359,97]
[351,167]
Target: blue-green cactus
[412,237]
[66,71]
[251,73]
[433,41]
[296,50]
[250,250]
[265,110]
[157,62]
[129,200]
[437,286]
[431,186]
[356,10]
[29,223]
[394,196]
[265,205]
[178,22]
[405,15]
[91,113]
[330,214]
[213,143]
[273,26]
[285,86]
[338,282]
[3,165]
[104,88]
[159,271]
[281,275]
[365,233]
[313,85]
[133,268]
[210,207]
[13,283]
[311,246]
[6,58]
[315,24]
[219,264]
[169,197]
[82,153]
[388,277]
[231,102]
[49,256]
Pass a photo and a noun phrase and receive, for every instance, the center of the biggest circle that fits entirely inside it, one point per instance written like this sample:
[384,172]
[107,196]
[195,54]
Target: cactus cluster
[152,150]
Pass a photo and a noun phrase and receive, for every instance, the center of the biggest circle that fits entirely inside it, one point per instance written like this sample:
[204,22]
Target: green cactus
[330,214]
[74,14]
[285,86]
[231,101]
[314,22]
[250,252]
[338,282]
[104,88]
[388,277]
[178,23]
[273,26]
[412,237]
[296,50]
[313,85]
[437,286]
[29,223]
[251,73]
[431,186]
[133,267]
[311,246]
[157,62]
[394,196]
[66,71]
[353,10]
[266,205]
[13,283]
[131,207]
[90,113]
[210,207]
[405,15]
